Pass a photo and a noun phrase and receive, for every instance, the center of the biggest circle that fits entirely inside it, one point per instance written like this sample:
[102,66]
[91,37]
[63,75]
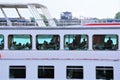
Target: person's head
[84,39]
[109,38]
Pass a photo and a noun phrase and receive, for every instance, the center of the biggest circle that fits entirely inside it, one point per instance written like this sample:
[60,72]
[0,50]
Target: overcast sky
[88,8]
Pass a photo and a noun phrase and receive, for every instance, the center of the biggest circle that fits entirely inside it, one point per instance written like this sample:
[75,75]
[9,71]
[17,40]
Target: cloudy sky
[88,8]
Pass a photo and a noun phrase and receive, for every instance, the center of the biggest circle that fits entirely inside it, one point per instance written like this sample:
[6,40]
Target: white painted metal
[8,21]
[18,13]
[36,15]
[48,16]
[89,59]
[33,9]
[60,68]
[59,54]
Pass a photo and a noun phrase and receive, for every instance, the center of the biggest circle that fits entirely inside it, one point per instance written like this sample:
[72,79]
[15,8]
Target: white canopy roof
[32,7]
[20,5]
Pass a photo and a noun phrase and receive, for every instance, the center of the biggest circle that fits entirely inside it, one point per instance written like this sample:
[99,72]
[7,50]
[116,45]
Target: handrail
[59,22]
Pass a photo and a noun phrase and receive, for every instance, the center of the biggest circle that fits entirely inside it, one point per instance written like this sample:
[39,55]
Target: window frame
[42,71]
[117,42]
[37,43]
[16,70]
[105,72]
[87,41]
[74,69]
[29,44]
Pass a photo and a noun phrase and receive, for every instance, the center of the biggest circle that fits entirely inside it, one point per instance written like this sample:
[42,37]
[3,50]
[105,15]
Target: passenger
[2,44]
[54,40]
[66,45]
[28,46]
[76,42]
[98,46]
[54,43]
[83,44]
[2,41]
[19,46]
[13,46]
[115,47]
[39,46]
[109,44]
[45,45]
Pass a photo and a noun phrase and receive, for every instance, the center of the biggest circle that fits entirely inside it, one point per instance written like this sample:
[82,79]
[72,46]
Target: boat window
[20,42]
[48,42]
[104,73]
[1,42]
[75,42]
[46,72]
[105,42]
[17,72]
[74,72]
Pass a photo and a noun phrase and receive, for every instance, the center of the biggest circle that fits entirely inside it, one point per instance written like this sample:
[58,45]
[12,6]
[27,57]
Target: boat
[40,50]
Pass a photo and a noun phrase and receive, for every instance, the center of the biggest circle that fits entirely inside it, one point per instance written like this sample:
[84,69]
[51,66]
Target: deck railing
[59,22]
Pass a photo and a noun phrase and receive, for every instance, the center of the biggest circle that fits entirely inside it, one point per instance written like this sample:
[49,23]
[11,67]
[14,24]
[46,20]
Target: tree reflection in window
[20,42]
[48,42]
[75,42]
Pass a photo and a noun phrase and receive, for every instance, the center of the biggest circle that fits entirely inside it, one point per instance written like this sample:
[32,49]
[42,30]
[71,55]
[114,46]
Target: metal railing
[94,21]
[59,22]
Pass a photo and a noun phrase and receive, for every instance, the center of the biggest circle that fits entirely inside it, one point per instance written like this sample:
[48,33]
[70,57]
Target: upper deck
[20,5]
[34,9]
[45,20]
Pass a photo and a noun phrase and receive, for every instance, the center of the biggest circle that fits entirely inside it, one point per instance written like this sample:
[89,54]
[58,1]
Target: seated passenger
[99,46]
[75,43]
[27,46]
[2,41]
[2,44]
[54,43]
[83,44]
[19,46]
[44,45]
[12,47]
[38,46]
[109,44]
